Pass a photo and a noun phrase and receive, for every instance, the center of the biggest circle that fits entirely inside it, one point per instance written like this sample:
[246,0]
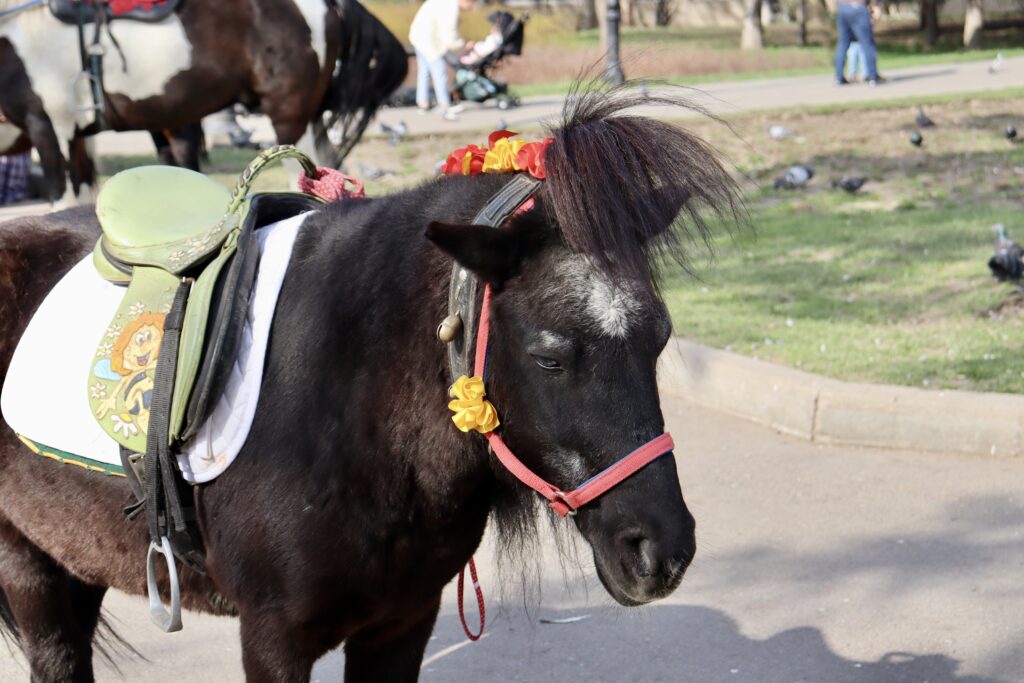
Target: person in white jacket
[434,32]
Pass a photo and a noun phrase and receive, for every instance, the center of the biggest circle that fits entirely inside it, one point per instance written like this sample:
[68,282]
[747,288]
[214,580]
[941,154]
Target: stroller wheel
[505,102]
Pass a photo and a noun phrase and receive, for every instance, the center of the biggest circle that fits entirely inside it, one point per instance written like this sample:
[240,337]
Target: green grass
[895,296]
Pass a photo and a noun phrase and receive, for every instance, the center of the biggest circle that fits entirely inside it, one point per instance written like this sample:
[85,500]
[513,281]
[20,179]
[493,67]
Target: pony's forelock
[625,189]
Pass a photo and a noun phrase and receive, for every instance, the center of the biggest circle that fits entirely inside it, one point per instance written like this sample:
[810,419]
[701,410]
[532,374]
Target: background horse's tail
[371,65]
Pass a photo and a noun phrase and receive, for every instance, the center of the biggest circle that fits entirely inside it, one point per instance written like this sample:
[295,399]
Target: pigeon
[997,64]
[395,133]
[850,183]
[371,172]
[242,138]
[916,139]
[780,132]
[1010,133]
[922,119]
[795,177]
[1007,264]
[502,124]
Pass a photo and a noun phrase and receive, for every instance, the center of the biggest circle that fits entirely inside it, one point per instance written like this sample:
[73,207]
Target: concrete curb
[851,413]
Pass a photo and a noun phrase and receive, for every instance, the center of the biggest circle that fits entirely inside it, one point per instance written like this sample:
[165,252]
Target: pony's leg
[392,653]
[56,614]
[272,652]
[44,138]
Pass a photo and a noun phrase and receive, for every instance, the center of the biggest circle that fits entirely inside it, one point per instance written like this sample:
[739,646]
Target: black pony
[355,500]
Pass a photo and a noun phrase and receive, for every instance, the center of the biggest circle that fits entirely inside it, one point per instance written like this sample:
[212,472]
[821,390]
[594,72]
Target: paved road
[816,564]
[722,98]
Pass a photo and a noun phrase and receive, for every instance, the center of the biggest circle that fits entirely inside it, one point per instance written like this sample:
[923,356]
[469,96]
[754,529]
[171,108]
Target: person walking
[853,21]
[435,32]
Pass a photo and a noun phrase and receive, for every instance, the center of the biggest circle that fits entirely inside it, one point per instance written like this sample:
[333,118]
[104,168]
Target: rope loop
[479,601]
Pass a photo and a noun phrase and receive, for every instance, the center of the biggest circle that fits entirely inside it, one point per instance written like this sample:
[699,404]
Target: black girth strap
[164,510]
[463,287]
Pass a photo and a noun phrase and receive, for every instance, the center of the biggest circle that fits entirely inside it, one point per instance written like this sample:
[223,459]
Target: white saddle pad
[44,397]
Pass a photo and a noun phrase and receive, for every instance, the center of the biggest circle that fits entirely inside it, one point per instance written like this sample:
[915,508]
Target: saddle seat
[162,216]
[85,11]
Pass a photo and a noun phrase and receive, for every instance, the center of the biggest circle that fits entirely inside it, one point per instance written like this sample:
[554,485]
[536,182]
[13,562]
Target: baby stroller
[473,82]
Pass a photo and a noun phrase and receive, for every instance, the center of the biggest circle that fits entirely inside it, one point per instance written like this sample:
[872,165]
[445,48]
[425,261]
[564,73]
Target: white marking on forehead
[612,308]
[549,338]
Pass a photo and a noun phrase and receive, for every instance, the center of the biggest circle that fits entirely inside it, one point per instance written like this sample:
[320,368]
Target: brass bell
[450,328]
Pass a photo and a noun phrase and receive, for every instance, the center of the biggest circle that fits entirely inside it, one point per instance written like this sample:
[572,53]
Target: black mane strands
[624,188]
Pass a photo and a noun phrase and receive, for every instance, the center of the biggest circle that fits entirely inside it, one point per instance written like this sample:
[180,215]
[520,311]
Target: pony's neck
[386,291]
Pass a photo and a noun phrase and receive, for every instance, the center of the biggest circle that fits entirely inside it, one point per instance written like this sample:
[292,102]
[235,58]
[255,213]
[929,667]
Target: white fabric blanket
[44,395]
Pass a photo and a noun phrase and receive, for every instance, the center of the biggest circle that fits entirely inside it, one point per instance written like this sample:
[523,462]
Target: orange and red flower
[503,155]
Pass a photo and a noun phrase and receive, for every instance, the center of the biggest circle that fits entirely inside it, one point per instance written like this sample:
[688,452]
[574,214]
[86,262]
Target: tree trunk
[752,37]
[930,21]
[974,21]
[587,18]
[663,13]
[801,19]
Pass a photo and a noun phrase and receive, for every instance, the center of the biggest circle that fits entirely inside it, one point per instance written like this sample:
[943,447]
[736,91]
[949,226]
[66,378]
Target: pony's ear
[492,254]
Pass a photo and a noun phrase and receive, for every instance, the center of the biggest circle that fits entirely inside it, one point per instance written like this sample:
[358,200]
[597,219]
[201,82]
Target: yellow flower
[502,157]
[471,410]
[468,388]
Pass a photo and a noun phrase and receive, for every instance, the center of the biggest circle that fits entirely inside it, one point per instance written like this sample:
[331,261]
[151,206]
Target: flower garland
[502,155]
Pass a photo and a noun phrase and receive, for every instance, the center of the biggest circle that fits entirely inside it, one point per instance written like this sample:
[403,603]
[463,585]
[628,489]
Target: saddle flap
[123,372]
[163,216]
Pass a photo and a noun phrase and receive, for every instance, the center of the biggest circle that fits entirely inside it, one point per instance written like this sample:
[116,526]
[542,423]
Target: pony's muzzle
[652,564]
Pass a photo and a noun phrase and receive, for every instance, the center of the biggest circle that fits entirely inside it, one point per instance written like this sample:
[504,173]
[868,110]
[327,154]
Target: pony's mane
[625,189]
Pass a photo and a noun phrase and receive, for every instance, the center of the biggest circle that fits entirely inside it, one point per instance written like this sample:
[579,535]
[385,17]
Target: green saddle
[171,233]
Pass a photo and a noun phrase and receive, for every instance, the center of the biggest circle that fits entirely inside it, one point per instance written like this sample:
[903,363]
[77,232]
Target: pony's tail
[372,63]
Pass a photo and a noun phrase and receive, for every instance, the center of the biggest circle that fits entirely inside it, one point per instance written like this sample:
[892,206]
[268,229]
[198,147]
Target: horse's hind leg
[55,614]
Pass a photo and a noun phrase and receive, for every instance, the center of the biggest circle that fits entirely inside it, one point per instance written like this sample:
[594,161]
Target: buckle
[559,497]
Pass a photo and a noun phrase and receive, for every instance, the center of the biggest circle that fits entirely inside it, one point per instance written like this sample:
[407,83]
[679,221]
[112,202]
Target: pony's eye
[548,363]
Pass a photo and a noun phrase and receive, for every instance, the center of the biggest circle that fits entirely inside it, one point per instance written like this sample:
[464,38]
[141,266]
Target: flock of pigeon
[1006,264]
[797,176]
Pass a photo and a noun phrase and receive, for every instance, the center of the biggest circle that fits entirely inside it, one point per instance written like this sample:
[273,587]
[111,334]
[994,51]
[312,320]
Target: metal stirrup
[168,621]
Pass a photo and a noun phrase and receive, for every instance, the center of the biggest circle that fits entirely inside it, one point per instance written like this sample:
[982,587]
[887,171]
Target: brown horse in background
[309,65]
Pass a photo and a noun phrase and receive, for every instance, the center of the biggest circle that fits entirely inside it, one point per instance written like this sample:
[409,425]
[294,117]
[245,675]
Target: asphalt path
[815,563]
[723,98]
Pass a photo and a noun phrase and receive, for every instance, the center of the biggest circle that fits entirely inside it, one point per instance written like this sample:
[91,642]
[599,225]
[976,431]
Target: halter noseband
[458,328]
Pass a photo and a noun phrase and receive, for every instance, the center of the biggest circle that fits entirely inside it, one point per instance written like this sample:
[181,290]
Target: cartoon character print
[132,362]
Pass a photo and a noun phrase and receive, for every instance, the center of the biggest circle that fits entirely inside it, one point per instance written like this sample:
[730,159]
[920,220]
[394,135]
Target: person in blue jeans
[853,19]
[856,69]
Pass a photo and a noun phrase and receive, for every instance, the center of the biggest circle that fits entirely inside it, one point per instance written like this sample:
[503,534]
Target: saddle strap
[164,511]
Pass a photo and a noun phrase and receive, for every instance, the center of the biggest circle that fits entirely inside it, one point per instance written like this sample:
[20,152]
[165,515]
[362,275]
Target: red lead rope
[562,503]
[479,601]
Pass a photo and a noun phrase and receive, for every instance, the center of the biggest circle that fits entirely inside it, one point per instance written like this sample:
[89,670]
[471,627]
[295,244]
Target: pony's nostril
[646,561]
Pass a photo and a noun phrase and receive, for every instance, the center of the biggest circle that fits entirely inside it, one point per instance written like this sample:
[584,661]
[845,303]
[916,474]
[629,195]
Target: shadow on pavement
[668,643]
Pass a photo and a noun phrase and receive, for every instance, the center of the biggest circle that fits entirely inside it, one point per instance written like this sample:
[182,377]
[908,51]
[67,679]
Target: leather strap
[463,288]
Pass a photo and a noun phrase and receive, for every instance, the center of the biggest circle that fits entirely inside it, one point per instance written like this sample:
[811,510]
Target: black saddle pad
[73,11]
